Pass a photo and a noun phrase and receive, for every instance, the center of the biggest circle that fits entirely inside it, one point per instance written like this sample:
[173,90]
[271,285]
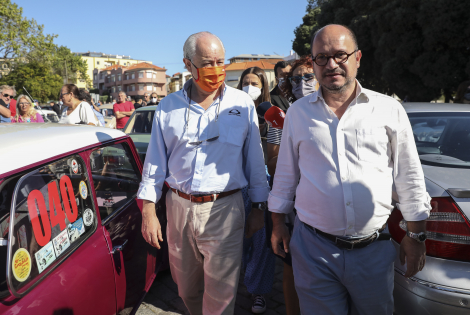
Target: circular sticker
[83,190]
[88,217]
[21,265]
[74,167]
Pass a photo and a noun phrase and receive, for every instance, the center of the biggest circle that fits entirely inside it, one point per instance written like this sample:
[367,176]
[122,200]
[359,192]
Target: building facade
[136,80]
[234,71]
[254,57]
[98,60]
[178,80]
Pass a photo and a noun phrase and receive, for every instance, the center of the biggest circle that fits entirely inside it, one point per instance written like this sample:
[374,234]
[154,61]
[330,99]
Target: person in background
[146,99]
[153,99]
[51,104]
[301,73]
[36,104]
[343,148]
[13,107]
[85,96]
[258,259]
[281,69]
[463,93]
[58,108]
[138,104]
[205,145]
[122,110]
[26,113]
[75,111]
[7,93]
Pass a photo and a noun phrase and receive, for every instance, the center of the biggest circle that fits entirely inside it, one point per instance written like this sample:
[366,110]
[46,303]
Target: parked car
[139,128]
[442,136]
[70,224]
[108,114]
[48,115]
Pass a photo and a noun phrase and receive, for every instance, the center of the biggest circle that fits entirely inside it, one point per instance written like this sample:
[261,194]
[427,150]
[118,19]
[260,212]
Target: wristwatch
[420,237]
[259,205]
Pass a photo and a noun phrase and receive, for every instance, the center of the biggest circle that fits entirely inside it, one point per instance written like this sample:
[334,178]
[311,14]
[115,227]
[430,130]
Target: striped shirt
[274,136]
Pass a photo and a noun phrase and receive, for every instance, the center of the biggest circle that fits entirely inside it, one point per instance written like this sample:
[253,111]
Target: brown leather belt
[204,198]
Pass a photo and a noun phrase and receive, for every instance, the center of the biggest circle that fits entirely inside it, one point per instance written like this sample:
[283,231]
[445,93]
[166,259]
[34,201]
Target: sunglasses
[7,95]
[298,78]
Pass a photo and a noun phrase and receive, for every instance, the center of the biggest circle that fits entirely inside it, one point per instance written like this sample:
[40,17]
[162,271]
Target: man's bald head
[335,28]
[190,46]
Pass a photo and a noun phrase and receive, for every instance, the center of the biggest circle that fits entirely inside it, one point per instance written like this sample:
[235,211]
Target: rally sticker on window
[74,167]
[75,230]
[83,190]
[36,203]
[45,256]
[88,217]
[21,265]
[61,242]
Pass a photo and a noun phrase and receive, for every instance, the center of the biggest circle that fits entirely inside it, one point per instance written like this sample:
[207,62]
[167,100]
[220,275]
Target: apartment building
[234,71]
[135,80]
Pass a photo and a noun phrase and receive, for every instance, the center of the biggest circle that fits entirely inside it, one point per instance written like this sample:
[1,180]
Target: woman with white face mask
[153,99]
[258,259]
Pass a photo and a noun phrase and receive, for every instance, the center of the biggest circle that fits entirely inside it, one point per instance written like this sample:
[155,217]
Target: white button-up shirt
[347,167]
[230,162]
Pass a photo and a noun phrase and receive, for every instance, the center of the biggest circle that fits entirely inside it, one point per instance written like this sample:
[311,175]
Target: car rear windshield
[107,112]
[442,139]
[140,122]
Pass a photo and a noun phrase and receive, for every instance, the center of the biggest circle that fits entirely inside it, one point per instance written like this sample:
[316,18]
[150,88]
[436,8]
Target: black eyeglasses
[298,78]
[340,57]
[61,95]
[7,95]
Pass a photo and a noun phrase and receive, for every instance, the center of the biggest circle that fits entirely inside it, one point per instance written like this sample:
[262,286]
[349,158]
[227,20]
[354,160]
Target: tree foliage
[418,49]
[27,51]
[38,79]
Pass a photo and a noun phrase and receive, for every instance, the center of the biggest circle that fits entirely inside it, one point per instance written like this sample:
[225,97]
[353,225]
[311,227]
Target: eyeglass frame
[333,56]
[62,95]
[187,122]
[302,77]
[21,104]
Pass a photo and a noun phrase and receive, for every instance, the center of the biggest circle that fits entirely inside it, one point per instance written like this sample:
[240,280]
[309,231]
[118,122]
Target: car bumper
[414,297]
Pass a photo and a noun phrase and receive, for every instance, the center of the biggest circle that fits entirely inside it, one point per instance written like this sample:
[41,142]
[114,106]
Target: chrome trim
[459,192]
[434,286]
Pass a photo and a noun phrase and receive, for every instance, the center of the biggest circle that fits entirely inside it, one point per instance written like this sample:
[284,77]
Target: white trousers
[205,243]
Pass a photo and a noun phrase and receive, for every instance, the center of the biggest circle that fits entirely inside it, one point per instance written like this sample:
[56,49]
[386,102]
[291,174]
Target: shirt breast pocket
[372,144]
[234,135]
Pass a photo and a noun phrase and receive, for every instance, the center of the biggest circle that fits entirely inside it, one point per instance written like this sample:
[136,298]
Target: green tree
[37,78]
[418,49]
[301,43]
[20,37]
[68,65]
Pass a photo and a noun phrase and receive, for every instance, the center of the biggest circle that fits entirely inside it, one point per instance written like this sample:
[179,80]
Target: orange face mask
[211,78]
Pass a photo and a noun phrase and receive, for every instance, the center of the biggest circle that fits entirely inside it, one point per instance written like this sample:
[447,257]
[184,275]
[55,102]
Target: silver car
[442,136]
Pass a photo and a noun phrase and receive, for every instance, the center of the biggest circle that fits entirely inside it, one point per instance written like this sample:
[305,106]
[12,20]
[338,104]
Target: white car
[442,136]
[48,115]
[108,114]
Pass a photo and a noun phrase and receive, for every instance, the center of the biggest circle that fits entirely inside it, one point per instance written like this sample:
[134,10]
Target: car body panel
[110,120]
[443,286]
[141,140]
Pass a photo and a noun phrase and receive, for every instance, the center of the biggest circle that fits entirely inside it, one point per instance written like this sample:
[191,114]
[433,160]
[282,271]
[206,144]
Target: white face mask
[253,91]
[154,99]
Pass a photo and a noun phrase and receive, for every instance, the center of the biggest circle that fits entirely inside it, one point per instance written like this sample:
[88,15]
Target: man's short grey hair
[8,87]
[189,48]
[146,93]
[122,92]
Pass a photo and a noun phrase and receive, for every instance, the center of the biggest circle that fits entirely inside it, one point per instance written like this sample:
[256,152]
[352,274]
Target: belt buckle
[340,241]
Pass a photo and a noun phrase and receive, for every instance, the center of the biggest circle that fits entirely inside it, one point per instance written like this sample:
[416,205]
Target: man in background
[7,93]
[138,103]
[153,99]
[146,99]
[281,69]
[122,110]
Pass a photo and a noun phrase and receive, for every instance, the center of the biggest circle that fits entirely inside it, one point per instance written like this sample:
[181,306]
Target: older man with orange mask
[205,145]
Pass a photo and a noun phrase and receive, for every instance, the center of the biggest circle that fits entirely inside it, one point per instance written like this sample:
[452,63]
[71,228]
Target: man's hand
[280,238]
[414,253]
[255,222]
[151,228]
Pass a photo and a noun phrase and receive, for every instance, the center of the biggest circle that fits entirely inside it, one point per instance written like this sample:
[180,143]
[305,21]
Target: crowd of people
[316,193]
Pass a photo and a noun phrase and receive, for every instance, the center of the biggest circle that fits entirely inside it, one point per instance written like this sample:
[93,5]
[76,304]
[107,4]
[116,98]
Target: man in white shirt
[205,145]
[342,149]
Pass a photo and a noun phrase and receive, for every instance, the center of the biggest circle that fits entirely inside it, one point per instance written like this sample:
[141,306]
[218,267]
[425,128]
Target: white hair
[8,87]
[189,48]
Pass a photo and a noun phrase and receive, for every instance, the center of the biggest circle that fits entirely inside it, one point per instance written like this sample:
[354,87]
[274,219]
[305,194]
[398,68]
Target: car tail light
[447,229]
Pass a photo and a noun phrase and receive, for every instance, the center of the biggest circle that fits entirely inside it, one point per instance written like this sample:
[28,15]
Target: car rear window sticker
[83,190]
[75,230]
[21,265]
[45,256]
[74,166]
[41,223]
[88,217]
[61,242]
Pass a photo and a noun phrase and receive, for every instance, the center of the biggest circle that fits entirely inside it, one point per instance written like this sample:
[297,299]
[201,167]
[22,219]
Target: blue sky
[155,30]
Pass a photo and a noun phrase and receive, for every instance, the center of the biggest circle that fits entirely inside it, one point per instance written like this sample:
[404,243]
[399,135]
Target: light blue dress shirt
[230,162]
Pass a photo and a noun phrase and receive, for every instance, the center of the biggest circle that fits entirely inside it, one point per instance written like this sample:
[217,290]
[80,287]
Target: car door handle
[119,248]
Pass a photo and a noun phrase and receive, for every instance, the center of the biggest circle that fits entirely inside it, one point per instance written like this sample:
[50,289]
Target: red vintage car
[70,223]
